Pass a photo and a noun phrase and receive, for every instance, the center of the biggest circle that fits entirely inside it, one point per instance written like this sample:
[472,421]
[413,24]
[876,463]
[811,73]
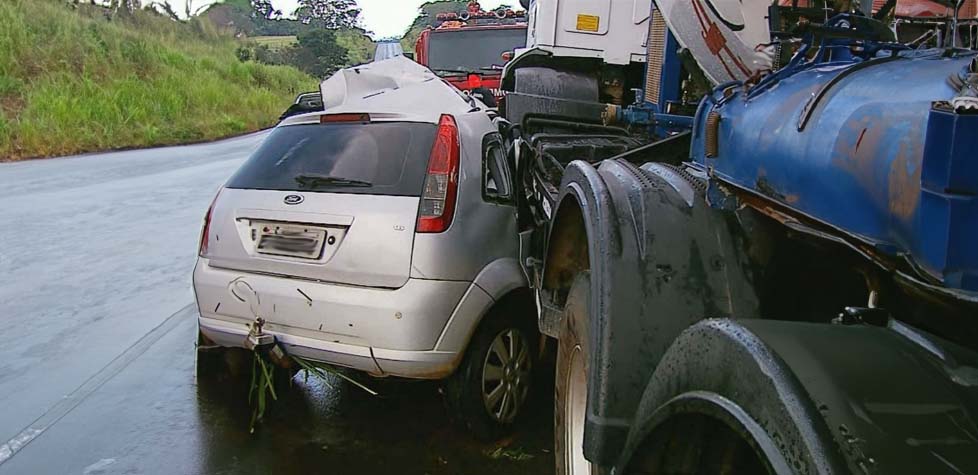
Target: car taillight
[441,184]
[205,234]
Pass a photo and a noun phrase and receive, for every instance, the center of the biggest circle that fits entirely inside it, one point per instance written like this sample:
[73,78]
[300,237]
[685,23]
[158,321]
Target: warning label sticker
[588,23]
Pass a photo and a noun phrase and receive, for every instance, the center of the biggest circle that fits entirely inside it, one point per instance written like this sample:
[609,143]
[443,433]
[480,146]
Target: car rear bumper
[398,332]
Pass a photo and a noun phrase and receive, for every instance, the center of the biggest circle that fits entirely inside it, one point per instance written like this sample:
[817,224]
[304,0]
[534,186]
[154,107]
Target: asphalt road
[387,51]
[98,326]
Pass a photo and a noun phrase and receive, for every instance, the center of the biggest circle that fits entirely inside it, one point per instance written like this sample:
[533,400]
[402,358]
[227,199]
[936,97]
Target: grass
[360,48]
[275,42]
[73,81]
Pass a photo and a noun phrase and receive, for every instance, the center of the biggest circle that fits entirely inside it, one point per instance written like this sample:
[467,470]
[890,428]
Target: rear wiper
[315,180]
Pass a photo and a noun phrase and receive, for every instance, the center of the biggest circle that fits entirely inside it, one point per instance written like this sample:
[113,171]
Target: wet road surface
[387,50]
[97,365]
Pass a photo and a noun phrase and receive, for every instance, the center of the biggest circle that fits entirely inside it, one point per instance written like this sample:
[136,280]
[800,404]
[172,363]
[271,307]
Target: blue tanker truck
[759,260]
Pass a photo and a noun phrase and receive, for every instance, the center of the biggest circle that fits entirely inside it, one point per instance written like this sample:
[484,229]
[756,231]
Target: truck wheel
[721,401]
[696,443]
[490,388]
[570,389]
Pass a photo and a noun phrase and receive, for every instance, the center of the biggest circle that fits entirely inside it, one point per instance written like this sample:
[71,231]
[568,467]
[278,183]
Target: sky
[385,18]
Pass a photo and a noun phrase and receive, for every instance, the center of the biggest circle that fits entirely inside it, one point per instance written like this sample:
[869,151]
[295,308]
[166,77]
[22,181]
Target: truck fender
[660,259]
[824,398]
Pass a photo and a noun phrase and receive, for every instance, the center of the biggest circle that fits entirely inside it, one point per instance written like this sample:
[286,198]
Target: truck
[750,228]
[469,48]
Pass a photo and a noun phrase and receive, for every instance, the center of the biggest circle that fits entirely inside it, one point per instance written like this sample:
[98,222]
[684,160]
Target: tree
[427,16]
[330,14]
[319,54]
[264,9]
[189,12]
[126,6]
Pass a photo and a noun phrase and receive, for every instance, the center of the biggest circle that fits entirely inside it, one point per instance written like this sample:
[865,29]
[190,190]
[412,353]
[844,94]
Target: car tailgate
[352,239]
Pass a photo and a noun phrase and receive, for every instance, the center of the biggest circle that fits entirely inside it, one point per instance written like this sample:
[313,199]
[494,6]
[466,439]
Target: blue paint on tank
[849,143]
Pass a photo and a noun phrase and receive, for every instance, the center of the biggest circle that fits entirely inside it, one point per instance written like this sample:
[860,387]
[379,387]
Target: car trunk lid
[328,202]
[344,238]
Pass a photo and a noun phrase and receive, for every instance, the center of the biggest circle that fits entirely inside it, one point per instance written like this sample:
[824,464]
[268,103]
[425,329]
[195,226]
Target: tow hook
[261,342]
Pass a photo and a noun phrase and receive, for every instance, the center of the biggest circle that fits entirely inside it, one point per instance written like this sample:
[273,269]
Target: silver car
[379,235]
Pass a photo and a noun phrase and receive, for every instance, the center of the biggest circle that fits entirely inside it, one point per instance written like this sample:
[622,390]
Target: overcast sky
[385,18]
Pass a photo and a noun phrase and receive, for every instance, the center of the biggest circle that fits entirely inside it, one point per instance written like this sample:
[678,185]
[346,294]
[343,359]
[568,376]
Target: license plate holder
[289,240]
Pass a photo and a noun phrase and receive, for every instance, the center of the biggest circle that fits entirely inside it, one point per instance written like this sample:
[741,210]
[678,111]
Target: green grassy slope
[360,48]
[275,42]
[72,80]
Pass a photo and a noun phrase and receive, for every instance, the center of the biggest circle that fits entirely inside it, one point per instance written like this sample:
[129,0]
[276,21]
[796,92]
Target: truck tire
[721,401]
[570,388]
[480,394]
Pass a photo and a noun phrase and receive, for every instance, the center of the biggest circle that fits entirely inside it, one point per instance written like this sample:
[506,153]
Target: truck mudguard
[660,259]
[824,398]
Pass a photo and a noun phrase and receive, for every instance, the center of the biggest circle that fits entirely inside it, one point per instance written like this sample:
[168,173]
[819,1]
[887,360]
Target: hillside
[75,80]
[360,48]
[236,16]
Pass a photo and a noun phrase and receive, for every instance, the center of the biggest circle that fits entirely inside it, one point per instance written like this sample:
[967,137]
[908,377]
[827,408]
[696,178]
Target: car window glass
[389,158]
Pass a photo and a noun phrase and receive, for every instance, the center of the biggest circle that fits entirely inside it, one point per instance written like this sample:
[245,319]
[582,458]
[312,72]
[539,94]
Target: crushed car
[379,234]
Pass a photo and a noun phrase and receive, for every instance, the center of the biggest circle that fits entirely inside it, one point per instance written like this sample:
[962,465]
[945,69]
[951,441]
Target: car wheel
[570,388]
[487,393]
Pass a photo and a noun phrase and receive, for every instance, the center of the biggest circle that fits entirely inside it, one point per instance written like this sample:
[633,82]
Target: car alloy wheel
[506,375]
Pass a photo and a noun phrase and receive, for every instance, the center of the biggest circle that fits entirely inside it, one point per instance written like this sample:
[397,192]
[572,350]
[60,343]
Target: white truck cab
[614,31]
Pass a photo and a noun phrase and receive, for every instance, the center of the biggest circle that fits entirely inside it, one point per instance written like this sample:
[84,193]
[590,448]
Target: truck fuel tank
[881,149]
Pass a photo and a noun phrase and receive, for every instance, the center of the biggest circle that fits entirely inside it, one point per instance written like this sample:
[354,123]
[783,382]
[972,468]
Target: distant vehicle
[388,50]
[469,49]
[380,236]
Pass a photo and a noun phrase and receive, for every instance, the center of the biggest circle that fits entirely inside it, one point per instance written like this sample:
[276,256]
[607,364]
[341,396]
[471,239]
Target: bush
[73,81]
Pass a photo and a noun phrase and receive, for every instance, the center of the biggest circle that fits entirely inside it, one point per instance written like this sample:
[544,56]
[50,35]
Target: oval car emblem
[294,199]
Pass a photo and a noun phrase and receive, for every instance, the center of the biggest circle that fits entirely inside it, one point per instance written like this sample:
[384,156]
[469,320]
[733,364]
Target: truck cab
[614,31]
[753,245]
[470,48]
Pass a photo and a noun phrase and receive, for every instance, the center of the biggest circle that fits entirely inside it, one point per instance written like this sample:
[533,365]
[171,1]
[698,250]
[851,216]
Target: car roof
[395,89]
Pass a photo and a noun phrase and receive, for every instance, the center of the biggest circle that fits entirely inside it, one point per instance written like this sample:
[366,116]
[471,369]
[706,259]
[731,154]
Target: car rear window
[389,158]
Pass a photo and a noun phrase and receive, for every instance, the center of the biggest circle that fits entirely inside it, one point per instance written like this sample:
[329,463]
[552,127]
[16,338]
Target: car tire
[469,390]
[570,387]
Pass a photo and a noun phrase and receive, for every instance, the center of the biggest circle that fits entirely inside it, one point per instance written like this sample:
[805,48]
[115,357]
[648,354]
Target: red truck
[469,48]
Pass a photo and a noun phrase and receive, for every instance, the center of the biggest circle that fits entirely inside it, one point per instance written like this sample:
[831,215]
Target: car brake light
[441,183]
[205,234]
[334,118]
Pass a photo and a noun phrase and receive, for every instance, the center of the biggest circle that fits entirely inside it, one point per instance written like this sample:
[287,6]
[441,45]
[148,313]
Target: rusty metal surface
[857,163]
